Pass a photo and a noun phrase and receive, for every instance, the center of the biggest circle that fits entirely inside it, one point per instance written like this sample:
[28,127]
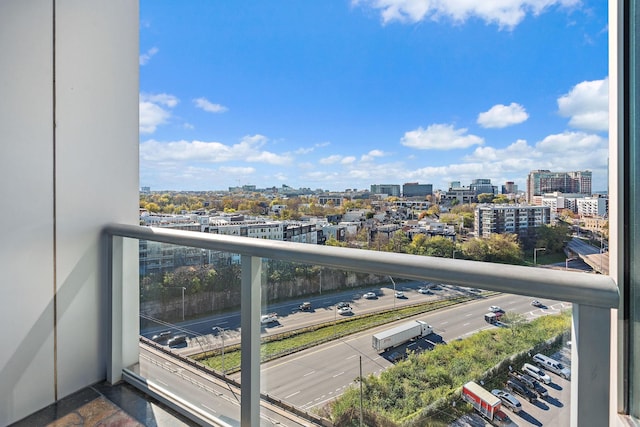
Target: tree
[500,248]
[500,199]
[485,198]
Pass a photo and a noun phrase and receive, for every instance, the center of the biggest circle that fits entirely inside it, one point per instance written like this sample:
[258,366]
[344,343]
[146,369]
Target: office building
[540,182]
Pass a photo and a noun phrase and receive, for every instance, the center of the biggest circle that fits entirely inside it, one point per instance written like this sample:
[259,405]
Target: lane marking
[211,409]
[309,373]
[337,375]
[292,394]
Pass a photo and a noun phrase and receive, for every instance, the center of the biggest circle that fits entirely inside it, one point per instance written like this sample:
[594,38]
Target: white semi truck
[385,340]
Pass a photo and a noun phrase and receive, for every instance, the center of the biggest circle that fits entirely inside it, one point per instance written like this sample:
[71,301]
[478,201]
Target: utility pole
[361,406]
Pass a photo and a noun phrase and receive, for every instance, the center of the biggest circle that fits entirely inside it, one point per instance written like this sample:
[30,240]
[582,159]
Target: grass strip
[278,345]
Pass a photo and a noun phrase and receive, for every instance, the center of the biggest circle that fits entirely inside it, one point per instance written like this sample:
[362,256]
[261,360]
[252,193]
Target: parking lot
[551,411]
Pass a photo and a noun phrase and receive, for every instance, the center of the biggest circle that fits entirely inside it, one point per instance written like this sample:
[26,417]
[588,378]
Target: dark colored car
[178,340]
[305,306]
[342,304]
[517,387]
[162,337]
[534,385]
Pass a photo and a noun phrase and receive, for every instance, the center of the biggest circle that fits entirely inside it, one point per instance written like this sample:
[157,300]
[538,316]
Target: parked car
[395,356]
[533,384]
[536,373]
[508,400]
[552,365]
[519,388]
[370,295]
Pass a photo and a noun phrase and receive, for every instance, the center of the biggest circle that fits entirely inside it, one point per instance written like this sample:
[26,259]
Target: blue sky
[340,94]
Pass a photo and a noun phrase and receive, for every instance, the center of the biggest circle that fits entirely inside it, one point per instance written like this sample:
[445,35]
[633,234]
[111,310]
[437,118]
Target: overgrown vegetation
[402,394]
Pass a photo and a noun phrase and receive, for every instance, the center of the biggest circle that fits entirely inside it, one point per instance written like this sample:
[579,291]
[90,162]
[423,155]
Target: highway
[311,378]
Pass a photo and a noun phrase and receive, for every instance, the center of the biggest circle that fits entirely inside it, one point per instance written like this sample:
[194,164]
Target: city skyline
[354,93]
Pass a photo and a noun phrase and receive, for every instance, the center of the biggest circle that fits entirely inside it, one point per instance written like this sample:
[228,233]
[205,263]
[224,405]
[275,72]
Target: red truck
[488,405]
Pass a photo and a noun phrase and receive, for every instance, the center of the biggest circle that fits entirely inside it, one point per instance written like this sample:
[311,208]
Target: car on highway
[508,400]
[177,341]
[425,291]
[342,304]
[370,295]
[537,303]
[162,337]
[496,309]
[305,306]
[399,294]
[345,310]
[268,318]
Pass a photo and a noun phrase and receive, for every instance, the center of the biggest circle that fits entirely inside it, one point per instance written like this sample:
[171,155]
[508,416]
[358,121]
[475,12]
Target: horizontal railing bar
[580,288]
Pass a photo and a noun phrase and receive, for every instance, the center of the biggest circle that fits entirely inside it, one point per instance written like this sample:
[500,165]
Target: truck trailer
[390,338]
[488,405]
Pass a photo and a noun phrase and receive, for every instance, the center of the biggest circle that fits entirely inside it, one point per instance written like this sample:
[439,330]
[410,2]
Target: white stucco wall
[60,185]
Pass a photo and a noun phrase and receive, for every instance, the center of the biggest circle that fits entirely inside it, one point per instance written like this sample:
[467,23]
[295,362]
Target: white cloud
[335,158]
[348,160]
[504,13]
[249,149]
[153,111]
[371,155]
[440,137]
[500,116]
[587,105]
[146,57]
[208,106]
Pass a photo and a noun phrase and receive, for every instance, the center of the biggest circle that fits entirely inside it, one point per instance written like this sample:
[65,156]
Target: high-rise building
[545,181]
[509,187]
[413,189]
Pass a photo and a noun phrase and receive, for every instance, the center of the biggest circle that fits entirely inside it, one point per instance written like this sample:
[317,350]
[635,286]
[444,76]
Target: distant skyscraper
[544,181]
[509,187]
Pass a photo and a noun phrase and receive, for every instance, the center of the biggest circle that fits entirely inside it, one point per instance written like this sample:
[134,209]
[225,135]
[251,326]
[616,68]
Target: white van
[536,373]
[552,365]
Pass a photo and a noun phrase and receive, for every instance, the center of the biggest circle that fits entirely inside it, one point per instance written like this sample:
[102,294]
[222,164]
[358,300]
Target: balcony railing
[593,296]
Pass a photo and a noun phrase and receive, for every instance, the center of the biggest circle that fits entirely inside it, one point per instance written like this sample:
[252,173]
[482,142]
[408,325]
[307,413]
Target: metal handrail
[580,288]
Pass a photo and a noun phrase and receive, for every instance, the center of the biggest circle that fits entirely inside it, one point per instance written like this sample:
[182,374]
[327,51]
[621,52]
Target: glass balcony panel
[189,317]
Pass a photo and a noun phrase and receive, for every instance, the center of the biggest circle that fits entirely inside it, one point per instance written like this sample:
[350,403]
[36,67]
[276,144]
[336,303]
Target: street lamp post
[222,336]
[183,289]
[535,252]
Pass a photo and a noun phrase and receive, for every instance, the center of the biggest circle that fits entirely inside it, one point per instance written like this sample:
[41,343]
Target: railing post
[590,366]
[250,341]
[114,273]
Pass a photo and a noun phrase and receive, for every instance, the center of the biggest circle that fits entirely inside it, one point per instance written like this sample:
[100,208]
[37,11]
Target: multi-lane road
[311,378]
